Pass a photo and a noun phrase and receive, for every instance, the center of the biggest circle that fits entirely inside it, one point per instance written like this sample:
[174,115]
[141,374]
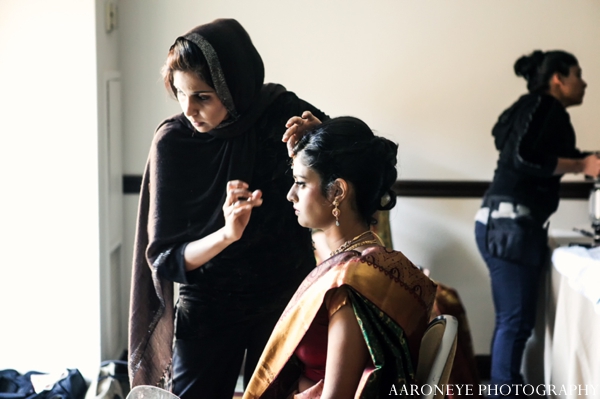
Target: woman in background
[354,326]
[213,217]
[537,147]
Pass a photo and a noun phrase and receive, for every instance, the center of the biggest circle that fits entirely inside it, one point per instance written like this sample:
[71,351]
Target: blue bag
[14,385]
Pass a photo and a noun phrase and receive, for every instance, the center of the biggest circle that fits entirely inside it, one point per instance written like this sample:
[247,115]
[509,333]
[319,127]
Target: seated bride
[354,326]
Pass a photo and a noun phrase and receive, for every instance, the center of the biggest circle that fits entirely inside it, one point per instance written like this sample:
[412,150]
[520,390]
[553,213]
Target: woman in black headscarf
[215,171]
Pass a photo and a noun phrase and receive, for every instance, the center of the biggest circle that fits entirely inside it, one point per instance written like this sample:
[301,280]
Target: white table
[571,329]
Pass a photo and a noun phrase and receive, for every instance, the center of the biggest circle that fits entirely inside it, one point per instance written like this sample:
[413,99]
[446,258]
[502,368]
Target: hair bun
[527,65]
[538,67]
[388,200]
[384,150]
[384,153]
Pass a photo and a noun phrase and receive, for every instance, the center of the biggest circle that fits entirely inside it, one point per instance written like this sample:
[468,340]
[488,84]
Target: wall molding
[132,184]
[476,189]
[428,188]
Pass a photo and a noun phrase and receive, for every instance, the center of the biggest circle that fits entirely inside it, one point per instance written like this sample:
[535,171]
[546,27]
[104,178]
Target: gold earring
[336,213]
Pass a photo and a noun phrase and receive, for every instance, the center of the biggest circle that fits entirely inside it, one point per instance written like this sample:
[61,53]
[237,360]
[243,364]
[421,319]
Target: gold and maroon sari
[392,301]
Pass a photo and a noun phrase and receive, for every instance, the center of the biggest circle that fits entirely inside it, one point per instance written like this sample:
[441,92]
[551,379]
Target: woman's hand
[297,126]
[591,165]
[238,207]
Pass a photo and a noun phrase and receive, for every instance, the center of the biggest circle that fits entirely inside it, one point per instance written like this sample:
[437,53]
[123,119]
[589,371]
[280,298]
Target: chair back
[436,356]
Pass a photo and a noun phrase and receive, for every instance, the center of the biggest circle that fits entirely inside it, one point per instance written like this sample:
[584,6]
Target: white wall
[49,291]
[432,76]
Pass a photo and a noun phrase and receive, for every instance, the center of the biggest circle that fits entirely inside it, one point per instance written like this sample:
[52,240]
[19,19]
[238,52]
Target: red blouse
[312,350]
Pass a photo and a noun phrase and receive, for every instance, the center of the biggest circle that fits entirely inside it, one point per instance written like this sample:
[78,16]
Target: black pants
[208,366]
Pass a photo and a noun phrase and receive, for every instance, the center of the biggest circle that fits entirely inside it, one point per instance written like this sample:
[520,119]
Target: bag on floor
[13,385]
[112,381]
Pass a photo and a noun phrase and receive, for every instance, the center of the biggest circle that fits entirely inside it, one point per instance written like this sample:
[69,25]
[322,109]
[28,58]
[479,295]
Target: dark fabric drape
[183,189]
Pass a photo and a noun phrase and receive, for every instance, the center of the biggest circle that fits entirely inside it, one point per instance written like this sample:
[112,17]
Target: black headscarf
[183,187]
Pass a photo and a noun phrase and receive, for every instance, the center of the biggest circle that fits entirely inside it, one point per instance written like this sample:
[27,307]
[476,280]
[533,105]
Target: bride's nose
[291,195]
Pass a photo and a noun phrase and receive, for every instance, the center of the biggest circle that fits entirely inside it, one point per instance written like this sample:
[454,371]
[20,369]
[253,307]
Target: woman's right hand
[297,126]
[591,165]
[238,208]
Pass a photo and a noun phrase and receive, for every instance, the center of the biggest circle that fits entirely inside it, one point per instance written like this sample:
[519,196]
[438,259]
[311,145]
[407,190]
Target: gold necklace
[357,242]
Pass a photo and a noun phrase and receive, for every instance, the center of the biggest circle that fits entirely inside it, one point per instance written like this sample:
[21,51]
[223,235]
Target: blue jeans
[514,292]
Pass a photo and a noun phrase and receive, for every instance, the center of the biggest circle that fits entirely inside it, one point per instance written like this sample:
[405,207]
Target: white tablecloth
[572,319]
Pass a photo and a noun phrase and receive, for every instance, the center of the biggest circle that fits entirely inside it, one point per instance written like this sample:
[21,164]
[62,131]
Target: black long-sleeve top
[531,135]
[275,252]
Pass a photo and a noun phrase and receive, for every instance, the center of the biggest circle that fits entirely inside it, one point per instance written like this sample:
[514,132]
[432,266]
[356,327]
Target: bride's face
[312,208]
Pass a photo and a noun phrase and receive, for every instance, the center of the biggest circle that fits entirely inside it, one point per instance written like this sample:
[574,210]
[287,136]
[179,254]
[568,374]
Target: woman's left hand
[297,126]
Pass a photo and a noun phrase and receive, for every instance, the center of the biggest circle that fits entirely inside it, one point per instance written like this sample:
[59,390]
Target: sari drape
[392,300]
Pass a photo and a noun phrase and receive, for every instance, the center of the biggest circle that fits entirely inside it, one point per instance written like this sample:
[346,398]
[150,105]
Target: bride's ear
[339,190]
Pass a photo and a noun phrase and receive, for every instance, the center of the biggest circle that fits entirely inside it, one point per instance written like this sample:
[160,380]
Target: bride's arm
[347,355]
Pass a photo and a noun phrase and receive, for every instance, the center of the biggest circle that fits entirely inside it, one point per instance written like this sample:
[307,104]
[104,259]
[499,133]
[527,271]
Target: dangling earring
[336,213]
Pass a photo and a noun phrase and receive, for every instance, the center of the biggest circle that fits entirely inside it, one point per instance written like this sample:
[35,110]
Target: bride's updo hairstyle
[346,148]
[538,67]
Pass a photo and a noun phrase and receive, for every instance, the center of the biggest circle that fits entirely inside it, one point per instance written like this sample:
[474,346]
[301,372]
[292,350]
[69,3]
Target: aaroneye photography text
[492,389]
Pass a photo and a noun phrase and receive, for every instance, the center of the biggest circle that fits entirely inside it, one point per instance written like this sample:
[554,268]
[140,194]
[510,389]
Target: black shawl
[183,188]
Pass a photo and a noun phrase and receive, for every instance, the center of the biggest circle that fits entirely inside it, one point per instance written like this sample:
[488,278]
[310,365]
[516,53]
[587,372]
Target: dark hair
[185,56]
[538,67]
[346,148]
